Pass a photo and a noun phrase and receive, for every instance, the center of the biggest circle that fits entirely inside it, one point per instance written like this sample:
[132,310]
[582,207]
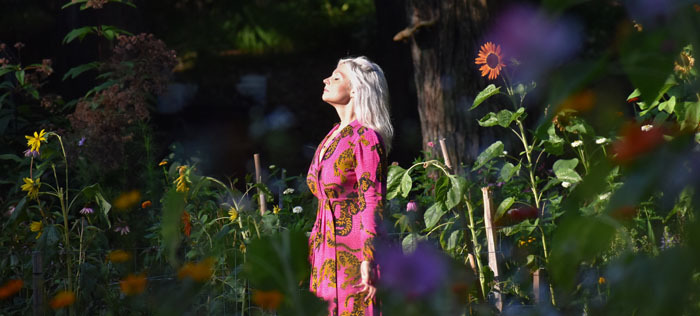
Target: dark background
[294,45]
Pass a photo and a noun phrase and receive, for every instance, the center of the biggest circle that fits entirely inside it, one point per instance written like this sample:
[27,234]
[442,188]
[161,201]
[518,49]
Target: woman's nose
[326,81]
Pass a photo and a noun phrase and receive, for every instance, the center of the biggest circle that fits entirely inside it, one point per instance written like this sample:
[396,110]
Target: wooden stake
[540,287]
[258,179]
[445,156]
[491,244]
[37,284]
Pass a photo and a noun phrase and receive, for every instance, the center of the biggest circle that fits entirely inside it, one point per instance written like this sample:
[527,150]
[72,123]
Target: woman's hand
[365,283]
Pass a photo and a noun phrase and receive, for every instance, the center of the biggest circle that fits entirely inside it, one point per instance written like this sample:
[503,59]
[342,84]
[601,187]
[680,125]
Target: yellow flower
[491,60]
[62,299]
[32,187]
[127,200]
[601,280]
[182,182]
[163,163]
[200,272]
[118,256]
[133,284]
[36,227]
[276,209]
[233,213]
[269,300]
[34,142]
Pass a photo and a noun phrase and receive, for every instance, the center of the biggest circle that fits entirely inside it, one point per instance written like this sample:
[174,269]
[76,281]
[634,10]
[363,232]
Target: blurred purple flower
[86,210]
[536,41]
[81,142]
[412,206]
[122,229]
[414,275]
[31,153]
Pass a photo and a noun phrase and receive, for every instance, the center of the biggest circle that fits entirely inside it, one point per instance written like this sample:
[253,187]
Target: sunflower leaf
[488,92]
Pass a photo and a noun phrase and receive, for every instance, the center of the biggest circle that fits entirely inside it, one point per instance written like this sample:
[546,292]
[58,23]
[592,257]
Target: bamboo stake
[491,244]
[258,179]
[445,156]
[540,287]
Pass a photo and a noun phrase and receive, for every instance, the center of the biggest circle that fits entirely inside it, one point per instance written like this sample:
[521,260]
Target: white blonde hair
[371,96]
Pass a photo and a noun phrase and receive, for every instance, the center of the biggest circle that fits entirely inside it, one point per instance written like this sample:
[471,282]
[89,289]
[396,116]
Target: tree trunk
[444,38]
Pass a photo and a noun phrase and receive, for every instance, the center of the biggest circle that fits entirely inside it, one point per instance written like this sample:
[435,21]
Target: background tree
[444,37]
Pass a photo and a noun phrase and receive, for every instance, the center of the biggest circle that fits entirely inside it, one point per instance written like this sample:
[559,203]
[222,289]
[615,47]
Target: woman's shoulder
[365,135]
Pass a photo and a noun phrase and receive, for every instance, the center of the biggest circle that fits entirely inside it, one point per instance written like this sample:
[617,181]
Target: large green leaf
[493,151]
[77,70]
[564,169]
[433,214]
[78,33]
[646,63]
[508,171]
[406,184]
[393,185]
[504,207]
[173,206]
[503,118]
[454,193]
[489,91]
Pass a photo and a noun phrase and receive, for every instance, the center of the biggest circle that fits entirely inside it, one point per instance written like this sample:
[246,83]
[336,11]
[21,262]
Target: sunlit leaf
[489,91]
[493,151]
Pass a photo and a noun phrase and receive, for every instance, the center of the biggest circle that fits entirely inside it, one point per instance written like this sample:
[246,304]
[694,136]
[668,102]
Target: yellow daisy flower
[233,213]
[36,227]
[182,182]
[34,142]
[32,187]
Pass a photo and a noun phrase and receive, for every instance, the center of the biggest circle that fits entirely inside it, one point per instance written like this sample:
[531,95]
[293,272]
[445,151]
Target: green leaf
[490,119]
[7,69]
[668,105]
[433,214]
[173,206]
[73,2]
[647,66]
[393,185]
[504,207]
[78,33]
[410,242]
[508,171]
[19,209]
[77,70]
[505,117]
[101,87]
[489,91]
[690,118]
[20,77]
[11,157]
[564,170]
[453,240]
[493,151]
[406,184]
[454,193]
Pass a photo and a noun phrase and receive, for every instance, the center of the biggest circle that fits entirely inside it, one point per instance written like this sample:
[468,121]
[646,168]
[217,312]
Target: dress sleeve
[369,153]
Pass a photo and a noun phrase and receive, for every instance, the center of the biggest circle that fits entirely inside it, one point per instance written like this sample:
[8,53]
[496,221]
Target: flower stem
[476,247]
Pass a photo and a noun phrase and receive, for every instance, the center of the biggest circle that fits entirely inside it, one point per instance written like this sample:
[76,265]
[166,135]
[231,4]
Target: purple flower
[31,153]
[81,142]
[536,41]
[122,229]
[86,210]
[412,206]
[414,275]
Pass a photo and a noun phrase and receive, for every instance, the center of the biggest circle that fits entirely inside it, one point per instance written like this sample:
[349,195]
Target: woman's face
[337,90]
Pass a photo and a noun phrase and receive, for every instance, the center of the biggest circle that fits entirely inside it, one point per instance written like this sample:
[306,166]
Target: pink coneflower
[412,206]
[86,210]
[123,230]
[431,144]
[10,210]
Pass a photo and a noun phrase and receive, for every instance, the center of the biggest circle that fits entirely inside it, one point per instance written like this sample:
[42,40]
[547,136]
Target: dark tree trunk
[444,37]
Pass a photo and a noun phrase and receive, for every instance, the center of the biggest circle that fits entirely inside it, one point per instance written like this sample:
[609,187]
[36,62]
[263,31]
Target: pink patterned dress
[349,182]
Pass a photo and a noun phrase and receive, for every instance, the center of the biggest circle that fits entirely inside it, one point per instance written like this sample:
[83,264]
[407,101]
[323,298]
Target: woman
[348,176]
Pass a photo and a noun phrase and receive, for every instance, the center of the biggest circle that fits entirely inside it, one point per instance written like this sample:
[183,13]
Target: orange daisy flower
[491,60]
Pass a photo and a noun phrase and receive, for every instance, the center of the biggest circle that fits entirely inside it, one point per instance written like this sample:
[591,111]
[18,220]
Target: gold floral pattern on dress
[358,305]
[344,164]
[352,268]
[345,132]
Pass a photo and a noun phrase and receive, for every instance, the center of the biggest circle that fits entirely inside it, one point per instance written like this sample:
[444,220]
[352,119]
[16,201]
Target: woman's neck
[346,113]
